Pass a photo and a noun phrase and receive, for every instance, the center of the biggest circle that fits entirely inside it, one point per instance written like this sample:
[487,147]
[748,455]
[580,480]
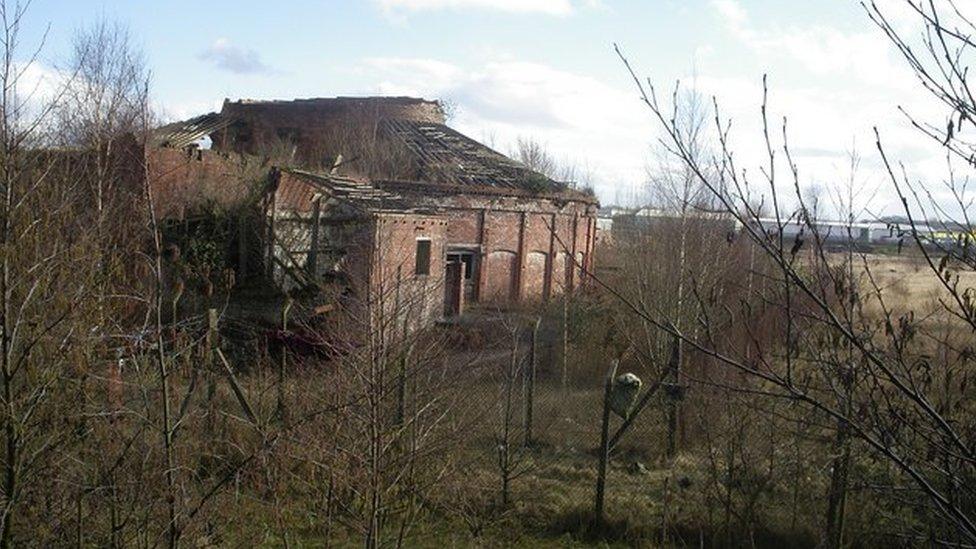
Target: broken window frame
[467,259]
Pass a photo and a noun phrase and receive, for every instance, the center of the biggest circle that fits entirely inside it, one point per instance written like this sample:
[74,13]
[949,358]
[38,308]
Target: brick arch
[502,269]
[534,275]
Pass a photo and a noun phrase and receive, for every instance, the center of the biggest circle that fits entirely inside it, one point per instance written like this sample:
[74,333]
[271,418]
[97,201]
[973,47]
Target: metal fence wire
[494,422]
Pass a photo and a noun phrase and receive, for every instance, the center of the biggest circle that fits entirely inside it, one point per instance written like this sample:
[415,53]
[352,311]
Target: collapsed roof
[435,153]
[444,155]
[187,132]
[297,192]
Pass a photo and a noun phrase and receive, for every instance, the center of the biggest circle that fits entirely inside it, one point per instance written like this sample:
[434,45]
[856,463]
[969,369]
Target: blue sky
[538,68]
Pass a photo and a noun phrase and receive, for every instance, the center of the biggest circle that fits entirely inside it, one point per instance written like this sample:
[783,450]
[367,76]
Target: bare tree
[105,100]
[537,157]
[871,374]
[45,293]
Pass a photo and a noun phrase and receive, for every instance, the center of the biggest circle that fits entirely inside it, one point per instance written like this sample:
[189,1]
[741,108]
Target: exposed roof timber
[181,134]
[359,194]
[445,155]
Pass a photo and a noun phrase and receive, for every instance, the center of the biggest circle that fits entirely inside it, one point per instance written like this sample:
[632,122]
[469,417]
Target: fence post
[601,475]
[401,381]
[282,362]
[674,404]
[211,340]
[565,340]
[530,383]
[208,359]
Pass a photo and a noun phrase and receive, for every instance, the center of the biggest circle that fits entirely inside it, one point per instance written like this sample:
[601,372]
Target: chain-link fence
[489,427]
[539,433]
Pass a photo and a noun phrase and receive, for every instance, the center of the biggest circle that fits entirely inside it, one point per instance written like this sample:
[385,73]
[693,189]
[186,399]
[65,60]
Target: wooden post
[565,338]
[270,218]
[282,363]
[211,343]
[601,474]
[236,387]
[530,382]
[211,340]
[401,410]
[571,276]
[311,264]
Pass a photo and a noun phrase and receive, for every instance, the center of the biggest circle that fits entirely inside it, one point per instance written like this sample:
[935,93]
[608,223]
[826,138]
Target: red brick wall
[379,256]
[560,280]
[397,289]
[464,227]
[500,268]
[516,261]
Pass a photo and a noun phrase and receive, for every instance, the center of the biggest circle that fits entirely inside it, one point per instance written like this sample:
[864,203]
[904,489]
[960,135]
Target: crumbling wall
[405,297]
[364,261]
[337,245]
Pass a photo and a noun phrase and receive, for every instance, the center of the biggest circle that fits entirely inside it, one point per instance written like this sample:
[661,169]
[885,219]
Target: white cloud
[548,7]
[835,87]
[434,74]
[233,58]
[733,12]
[38,84]
[184,110]
[825,51]
[585,121]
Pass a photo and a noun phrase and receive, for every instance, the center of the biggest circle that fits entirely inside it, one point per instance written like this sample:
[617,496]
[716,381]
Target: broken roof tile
[445,155]
[298,194]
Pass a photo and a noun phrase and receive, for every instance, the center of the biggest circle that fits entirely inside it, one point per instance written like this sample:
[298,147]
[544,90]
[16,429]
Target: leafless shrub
[888,383]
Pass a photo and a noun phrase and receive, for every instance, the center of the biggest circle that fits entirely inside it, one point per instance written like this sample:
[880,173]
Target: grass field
[739,481]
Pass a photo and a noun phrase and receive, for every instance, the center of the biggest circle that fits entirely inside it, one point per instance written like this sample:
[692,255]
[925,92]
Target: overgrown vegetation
[792,395]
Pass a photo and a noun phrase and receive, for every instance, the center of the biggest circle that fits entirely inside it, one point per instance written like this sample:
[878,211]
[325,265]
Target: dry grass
[906,282]
[552,496]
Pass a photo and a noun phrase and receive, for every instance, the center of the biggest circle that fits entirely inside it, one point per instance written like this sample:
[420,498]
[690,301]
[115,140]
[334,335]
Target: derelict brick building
[391,199]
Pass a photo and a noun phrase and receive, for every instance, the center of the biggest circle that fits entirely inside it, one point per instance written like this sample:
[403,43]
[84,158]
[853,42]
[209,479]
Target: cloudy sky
[546,69]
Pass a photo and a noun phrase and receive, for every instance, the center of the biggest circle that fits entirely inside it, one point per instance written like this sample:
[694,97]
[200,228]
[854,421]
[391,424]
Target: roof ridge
[338,98]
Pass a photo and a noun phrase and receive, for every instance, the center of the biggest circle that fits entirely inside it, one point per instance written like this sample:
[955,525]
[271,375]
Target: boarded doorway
[454,288]
[468,261]
[459,281]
